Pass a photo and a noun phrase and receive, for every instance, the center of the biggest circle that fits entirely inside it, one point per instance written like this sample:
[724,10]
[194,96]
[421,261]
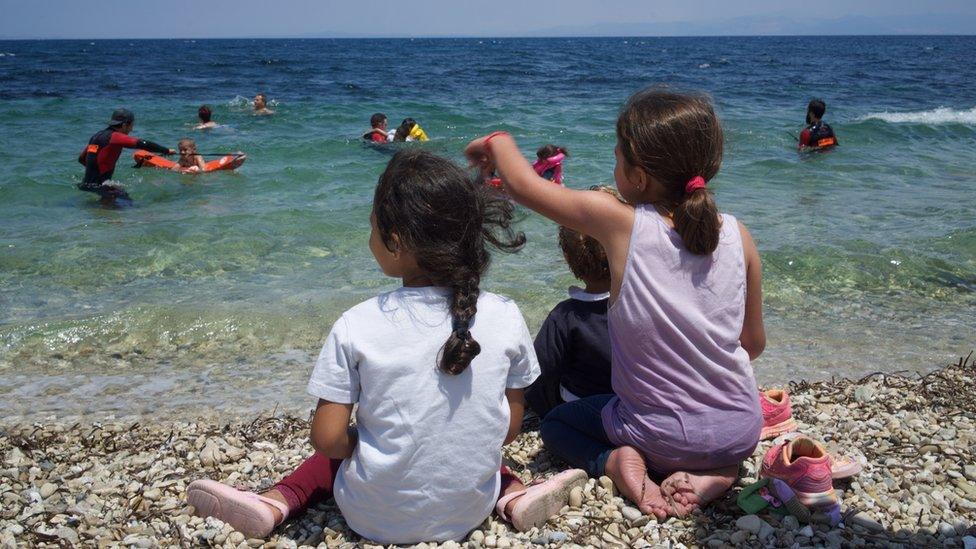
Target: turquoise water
[215,292]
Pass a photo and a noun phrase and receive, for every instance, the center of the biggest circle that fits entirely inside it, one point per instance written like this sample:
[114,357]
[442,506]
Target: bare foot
[627,470]
[275,495]
[689,491]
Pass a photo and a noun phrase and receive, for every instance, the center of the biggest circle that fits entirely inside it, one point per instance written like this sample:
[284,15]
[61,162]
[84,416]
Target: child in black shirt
[573,344]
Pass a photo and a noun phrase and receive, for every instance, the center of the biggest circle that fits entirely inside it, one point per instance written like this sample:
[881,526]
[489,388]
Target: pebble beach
[121,482]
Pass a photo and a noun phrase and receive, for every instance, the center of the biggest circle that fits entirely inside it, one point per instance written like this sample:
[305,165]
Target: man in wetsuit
[103,151]
[818,134]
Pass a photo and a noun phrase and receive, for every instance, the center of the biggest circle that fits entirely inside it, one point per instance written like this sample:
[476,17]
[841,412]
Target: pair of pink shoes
[799,461]
[252,515]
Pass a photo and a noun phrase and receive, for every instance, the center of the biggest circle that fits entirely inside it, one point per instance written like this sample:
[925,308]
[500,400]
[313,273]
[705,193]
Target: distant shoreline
[488,37]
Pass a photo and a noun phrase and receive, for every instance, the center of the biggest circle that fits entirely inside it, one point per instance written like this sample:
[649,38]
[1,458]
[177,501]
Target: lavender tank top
[686,394]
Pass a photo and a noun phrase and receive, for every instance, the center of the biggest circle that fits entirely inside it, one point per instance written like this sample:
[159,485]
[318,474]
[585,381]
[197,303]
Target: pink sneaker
[247,512]
[540,500]
[777,414]
[804,466]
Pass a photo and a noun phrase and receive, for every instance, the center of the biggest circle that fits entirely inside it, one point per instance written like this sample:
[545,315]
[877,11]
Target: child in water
[189,161]
[685,313]
[437,368]
[549,163]
[206,121]
[378,132]
[573,344]
[410,130]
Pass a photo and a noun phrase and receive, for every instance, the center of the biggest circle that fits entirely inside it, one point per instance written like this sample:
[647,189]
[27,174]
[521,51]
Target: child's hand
[477,153]
[170,152]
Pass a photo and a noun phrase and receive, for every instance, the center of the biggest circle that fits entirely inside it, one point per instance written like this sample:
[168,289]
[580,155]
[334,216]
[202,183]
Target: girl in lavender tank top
[686,308]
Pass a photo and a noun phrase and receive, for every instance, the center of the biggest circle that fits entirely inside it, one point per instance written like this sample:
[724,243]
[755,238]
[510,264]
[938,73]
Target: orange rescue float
[148,159]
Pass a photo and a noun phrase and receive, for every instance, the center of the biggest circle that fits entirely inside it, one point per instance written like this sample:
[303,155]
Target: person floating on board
[410,130]
[190,161]
[818,134]
[378,132]
[550,163]
[103,151]
[206,121]
[261,104]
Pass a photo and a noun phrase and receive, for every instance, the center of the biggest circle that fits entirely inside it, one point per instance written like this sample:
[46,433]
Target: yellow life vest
[418,133]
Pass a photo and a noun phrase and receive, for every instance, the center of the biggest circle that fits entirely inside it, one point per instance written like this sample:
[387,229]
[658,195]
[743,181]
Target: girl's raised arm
[594,213]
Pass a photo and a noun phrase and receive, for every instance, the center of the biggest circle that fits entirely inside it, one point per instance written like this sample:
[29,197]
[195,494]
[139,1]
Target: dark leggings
[106,191]
[574,432]
[312,483]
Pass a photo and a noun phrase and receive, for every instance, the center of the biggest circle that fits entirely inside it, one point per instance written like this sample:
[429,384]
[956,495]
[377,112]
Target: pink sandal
[540,500]
[247,512]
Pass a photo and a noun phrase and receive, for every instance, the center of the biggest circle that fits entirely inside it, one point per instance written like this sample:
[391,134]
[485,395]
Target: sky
[421,18]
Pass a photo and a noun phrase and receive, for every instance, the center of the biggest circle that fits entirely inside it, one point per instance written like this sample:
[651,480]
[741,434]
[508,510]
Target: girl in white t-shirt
[437,368]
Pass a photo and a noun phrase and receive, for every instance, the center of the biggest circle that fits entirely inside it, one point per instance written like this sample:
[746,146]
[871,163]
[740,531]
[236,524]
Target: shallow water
[216,292]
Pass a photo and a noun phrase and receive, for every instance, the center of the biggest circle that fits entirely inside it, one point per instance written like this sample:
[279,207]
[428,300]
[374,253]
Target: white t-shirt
[426,467]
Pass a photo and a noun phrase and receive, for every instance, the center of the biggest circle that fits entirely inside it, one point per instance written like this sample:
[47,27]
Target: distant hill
[775,25]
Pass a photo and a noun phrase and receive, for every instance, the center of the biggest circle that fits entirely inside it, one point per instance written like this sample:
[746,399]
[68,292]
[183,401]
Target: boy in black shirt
[573,344]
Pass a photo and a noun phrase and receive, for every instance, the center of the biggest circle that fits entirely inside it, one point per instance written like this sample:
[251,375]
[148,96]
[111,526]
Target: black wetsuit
[100,156]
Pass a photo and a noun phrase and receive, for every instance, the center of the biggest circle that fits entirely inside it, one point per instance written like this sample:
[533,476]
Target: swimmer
[378,132]
[818,134]
[549,163]
[410,130]
[261,104]
[206,122]
[190,161]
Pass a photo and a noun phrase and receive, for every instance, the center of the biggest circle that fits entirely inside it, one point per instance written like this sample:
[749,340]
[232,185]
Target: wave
[941,115]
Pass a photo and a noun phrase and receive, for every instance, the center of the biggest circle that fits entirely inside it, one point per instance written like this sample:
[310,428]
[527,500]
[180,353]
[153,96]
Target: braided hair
[447,221]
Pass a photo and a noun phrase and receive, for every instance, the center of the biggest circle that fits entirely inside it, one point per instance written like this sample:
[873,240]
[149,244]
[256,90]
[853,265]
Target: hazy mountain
[776,25]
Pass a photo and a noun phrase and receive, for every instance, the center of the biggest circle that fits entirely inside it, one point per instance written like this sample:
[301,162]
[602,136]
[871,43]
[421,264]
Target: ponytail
[676,139]
[696,221]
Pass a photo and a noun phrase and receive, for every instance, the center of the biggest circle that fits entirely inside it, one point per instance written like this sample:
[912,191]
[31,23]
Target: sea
[213,294]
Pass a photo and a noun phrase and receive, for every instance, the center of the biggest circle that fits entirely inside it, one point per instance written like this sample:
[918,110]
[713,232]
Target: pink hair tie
[697,182]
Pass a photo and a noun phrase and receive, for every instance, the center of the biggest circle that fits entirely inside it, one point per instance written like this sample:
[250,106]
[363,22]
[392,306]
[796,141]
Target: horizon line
[484,37]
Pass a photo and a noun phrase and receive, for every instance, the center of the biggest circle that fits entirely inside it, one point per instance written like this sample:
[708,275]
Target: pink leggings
[312,483]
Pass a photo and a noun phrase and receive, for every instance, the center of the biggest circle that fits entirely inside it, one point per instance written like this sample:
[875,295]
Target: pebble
[970,472]
[790,523]
[969,542]
[864,521]
[47,489]
[576,497]
[631,514]
[739,537]
[750,523]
